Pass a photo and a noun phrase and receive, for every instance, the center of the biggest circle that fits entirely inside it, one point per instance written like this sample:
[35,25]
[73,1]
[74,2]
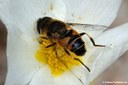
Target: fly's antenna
[82,64]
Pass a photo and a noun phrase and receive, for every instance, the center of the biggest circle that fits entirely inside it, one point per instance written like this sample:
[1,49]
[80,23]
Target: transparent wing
[88,27]
[93,30]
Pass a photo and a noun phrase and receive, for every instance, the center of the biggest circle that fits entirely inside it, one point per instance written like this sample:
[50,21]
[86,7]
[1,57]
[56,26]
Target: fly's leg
[66,51]
[40,39]
[92,40]
[77,59]
[53,44]
[82,64]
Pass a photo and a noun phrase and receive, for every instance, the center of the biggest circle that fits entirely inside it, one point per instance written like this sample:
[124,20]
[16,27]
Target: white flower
[20,18]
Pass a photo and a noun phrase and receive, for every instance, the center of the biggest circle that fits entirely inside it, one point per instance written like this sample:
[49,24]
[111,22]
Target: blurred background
[3,58]
[116,72]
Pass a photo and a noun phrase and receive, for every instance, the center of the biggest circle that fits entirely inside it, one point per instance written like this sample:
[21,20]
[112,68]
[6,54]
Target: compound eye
[41,23]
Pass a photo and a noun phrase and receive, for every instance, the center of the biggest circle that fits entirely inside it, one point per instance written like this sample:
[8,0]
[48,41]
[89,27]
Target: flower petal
[100,12]
[44,77]
[22,64]
[24,13]
[117,41]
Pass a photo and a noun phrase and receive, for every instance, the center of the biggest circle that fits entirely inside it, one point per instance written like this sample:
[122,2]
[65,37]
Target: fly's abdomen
[76,45]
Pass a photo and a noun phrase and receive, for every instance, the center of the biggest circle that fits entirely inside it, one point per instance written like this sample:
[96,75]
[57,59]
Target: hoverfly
[64,35]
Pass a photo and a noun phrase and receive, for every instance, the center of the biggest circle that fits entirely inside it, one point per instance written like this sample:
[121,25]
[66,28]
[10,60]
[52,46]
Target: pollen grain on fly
[55,57]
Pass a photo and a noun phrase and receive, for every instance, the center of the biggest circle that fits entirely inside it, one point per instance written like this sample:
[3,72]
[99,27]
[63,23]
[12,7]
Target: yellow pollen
[55,57]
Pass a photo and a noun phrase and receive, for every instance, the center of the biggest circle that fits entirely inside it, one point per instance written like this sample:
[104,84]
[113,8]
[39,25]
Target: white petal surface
[116,41]
[24,13]
[22,64]
[101,12]
[44,77]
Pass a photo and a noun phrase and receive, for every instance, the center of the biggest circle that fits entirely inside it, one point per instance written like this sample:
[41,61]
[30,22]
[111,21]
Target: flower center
[55,57]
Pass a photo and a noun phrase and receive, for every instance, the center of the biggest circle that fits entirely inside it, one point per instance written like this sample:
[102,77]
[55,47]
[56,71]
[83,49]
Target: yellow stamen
[55,56]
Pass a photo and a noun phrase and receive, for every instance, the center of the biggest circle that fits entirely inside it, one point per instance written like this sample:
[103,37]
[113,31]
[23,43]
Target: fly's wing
[92,30]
